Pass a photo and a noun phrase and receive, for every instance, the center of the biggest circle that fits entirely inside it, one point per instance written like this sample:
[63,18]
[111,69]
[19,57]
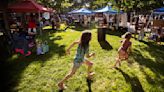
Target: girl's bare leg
[89,64]
[126,58]
[118,59]
[69,75]
[121,56]
[117,62]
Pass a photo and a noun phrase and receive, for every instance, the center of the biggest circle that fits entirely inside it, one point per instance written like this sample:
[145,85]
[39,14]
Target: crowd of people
[87,20]
[28,30]
[24,34]
[144,24]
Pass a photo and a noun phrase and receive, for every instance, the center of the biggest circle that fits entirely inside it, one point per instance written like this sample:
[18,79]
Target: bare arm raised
[74,43]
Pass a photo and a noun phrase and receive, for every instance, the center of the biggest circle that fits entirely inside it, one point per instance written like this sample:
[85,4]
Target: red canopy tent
[28,6]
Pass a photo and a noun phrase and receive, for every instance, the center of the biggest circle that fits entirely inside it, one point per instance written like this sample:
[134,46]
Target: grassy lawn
[42,73]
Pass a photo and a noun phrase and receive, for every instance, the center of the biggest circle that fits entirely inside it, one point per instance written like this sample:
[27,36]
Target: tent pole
[40,29]
[149,20]
[117,24]
[159,16]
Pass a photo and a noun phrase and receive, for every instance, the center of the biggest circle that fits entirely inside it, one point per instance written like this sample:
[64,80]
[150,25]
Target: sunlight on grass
[47,27]
[62,27]
[14,57]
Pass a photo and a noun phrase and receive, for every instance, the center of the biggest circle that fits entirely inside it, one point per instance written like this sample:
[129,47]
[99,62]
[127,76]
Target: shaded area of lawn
[156,65]
[89,84]
[105,45]
[133,81]
[156,52]
[13,68]
[118,33]
[79,28]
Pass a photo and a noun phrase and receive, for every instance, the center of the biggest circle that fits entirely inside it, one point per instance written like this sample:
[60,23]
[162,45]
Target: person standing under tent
[107,18]
[102,27]
[141,34]
[160,35]
[85,21]
[41,23]
[52,22]
[31,31]
[31,27]
[111,20]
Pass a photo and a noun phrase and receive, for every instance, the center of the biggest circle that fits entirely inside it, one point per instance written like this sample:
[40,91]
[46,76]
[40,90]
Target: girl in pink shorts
[124,49]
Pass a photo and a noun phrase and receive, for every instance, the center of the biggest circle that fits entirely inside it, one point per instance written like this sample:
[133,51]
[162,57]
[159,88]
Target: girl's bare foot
[90,75]
[114,67]
[61,86]
[119,64]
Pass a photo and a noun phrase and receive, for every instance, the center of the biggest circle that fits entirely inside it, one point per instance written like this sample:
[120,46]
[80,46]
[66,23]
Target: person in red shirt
[31,27]
[31,32]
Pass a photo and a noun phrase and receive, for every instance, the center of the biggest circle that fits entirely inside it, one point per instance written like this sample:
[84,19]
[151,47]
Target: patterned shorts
[78,62]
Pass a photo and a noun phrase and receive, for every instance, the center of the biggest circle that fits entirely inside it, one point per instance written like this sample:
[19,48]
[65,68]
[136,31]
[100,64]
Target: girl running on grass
[124,50]
[82,50]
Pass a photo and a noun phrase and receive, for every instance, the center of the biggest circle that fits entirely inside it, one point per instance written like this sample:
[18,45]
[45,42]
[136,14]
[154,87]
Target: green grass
[42,73]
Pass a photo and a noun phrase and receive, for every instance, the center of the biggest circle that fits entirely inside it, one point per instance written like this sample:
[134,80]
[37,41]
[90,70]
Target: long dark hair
[85,39]
[127,35]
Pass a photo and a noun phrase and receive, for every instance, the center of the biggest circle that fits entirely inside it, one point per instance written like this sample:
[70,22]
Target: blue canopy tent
[107,9]
[159,11]
[72,11]
[81,11]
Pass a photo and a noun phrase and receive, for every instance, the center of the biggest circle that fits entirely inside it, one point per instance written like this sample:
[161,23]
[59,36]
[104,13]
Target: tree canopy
[126,5]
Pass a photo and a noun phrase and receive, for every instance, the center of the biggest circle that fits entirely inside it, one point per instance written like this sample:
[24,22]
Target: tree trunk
[3,9]
[101,34]
[5,47]
[7,29]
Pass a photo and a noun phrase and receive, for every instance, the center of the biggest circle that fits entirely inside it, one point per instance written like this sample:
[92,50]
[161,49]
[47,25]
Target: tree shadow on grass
[89,84]
[115,33]
[134,82]
[156,66]
[79,28]
[148,78]
[12,70]
[156,52]
[156,82]
[60,90]
[50,31]
[105,45]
